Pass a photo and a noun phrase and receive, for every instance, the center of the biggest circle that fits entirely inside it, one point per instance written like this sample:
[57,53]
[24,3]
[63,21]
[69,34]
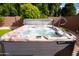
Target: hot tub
[40,33]
[37,40]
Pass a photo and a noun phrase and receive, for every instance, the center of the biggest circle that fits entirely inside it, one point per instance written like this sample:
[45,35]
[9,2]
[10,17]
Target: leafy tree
[17,7]
[43,7]
[8,10]
[49,9]
[39,5]
[68,10]
[54,9]
[1,10]
[34,10]
[30,11]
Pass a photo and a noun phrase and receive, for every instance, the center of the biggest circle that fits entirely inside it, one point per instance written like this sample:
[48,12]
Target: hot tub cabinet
[32,48]
[37,38]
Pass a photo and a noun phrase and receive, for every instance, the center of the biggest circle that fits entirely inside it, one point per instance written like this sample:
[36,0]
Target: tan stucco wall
[11,21]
